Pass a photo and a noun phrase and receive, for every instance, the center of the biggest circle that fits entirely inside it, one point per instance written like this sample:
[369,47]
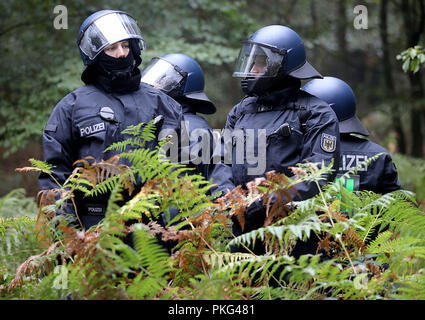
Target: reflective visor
[256,60]
[162,75]
[107,30]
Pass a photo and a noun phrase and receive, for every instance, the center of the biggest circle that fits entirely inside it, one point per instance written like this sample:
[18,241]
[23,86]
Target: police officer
[89,119]
[379,176]
[298,127]
[182,78]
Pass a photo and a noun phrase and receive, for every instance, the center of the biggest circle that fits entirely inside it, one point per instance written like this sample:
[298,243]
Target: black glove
[255,213]
[173,213]
[254,216]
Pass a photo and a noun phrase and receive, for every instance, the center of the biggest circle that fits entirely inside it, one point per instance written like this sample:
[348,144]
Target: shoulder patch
[328,142]
[94,128]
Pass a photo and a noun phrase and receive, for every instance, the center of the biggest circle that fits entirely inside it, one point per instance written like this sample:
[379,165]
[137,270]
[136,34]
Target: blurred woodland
[41,63]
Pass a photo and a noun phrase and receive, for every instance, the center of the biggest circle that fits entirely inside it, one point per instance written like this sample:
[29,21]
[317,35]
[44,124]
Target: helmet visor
[256,60]
[162,75]
[107,30]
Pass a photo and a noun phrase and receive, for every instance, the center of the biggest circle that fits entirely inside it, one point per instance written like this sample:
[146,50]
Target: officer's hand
[254,215]
[254,208]
[258,208]
[68,212]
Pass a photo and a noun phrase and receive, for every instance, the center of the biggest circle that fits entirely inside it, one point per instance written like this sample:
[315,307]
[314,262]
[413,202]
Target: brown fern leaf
[299,172]
[28,169]
[279,209]
[188,261]
[203,225]
[338,216]
[276,183]
[179,235]
[222,218]
[97,172]
[26,268]
[87,172]
[327,244]
[168,234]
[80,244]
[190,257]
[252,187]
[277,178]
[235,199]
[239,199]
[44,198]
[333,214]
[376,270]
[240,215]
[352,238]
[181,260]
[155,228]
[281,185]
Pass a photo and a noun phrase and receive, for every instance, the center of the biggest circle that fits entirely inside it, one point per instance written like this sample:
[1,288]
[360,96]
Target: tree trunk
[389,80]
[313,14]
[417,93]
[414,21]
[341,36]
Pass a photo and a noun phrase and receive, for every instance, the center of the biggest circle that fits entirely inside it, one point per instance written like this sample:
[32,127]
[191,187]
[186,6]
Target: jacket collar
[280,97]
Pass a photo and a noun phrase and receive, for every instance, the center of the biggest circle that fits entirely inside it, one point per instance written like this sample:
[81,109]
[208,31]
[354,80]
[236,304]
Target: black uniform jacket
[380,176]
[88,120]
[298,127]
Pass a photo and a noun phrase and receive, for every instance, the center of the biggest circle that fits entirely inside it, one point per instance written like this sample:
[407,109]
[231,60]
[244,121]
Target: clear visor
[107,30]
[162,75]
[257,61]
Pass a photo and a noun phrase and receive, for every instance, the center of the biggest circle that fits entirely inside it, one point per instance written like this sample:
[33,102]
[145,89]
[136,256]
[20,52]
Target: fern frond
[375,245]
[141,133]
[394,245]
[412,288]
[222,259]
[27,267]
[153,263]
[16,204]
[301,230]
[311,171]
[293,291]
[38,166]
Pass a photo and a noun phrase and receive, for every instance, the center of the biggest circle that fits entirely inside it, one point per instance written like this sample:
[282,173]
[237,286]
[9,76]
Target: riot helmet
[271,54]
[106,27]
[181,77]
[339,95]
[100,30]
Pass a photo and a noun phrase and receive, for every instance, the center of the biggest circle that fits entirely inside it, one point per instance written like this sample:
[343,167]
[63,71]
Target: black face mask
[256,86]
[261,87]
[281,91]
[119,75]
[116,68]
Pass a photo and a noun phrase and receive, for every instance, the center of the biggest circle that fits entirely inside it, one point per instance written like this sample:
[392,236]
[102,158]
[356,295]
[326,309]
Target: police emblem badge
[328,142]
